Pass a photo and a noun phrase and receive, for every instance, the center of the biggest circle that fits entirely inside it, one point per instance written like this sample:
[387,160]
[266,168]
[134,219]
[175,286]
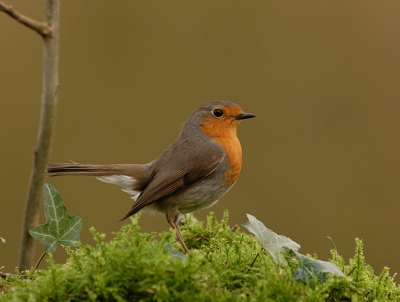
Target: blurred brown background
[321,158]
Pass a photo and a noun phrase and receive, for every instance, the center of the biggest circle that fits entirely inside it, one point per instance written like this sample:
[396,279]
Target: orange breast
[223,132]
[234,153]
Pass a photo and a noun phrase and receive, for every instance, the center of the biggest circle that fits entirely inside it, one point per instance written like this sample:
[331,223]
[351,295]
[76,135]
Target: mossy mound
[224,264]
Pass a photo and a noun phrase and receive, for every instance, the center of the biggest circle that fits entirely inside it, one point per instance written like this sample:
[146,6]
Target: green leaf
[268,239]
[310,267]
[60,227]
[277,244]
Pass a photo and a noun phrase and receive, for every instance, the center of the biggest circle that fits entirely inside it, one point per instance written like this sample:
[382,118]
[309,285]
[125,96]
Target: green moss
[136,266]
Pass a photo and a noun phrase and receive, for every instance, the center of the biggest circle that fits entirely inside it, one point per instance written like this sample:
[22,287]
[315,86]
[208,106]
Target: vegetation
[224,264]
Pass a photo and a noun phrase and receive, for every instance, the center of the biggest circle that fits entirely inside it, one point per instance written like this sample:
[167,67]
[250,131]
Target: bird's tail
[130,177]
[60,169]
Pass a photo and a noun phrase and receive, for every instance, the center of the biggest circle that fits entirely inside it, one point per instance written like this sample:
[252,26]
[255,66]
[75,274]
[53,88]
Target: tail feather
[131,177]
[60,169]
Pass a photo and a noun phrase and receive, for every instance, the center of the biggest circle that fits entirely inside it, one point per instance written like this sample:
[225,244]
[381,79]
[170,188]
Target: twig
[5,275]
[42,149]
[235,227]
[41,28]
[352,271]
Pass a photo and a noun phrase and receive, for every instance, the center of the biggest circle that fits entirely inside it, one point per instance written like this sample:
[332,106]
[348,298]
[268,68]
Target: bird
[193,173]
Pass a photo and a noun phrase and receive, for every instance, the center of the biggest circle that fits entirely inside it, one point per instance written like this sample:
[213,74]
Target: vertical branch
[42,149]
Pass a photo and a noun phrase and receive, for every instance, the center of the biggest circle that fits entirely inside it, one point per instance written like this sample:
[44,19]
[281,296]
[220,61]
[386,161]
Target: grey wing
[174,177]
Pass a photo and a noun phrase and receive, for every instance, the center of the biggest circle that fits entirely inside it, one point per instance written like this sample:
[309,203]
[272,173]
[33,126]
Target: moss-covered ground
[225,264]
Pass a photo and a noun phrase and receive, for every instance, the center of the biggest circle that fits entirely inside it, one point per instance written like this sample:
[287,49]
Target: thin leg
[172,223]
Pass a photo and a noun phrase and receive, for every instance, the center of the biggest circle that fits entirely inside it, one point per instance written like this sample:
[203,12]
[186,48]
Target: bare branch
[41,28]
[42,149]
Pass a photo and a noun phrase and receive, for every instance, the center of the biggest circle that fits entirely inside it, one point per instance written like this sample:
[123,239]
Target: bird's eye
[217,112]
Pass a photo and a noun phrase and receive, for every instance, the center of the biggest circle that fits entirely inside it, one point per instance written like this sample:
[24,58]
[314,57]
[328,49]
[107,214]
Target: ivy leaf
[310,267]
[277,245]
[60,227]
[269,240]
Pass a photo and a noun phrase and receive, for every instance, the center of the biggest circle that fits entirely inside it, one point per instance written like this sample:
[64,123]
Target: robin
[196,170]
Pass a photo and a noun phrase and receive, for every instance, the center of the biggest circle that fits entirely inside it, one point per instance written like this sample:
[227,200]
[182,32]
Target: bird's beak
[244,116]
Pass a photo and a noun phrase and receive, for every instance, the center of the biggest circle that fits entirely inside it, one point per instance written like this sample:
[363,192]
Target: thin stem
[41,28]
[38,262]
[254,261]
